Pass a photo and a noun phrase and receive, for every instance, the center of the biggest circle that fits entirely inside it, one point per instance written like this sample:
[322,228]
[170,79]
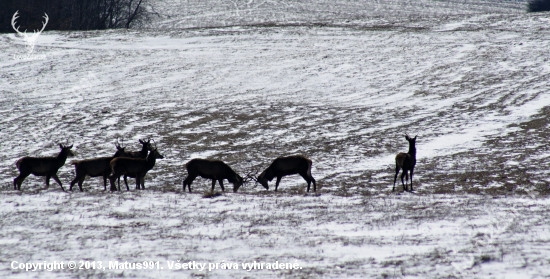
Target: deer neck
[232,179]
[269,174]
[61,158]
[144,151]
[151,160]
[412,150]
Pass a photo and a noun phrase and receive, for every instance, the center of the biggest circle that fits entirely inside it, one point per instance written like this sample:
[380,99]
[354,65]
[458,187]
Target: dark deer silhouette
[95,167]
[42,166]
[284,166]
[135,167]
[406,161]
[146,146]
[211,169]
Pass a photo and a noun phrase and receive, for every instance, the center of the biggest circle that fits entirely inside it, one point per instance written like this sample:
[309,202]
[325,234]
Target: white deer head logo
[29,39]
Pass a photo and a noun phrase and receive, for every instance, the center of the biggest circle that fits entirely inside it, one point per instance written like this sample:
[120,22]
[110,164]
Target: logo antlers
[29,39]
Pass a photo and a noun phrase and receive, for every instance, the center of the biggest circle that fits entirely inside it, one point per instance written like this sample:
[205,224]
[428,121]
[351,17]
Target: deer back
[44,165]
[37,165]
[290,165]
[93,167]
[125,165]
[213,169]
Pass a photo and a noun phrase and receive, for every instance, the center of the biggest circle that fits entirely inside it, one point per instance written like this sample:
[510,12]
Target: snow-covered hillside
[342,87]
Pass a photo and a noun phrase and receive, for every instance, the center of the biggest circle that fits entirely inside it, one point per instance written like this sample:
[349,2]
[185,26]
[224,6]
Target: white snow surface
[247,81]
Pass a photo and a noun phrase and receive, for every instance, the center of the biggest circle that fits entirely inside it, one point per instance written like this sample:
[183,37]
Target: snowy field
[247,81]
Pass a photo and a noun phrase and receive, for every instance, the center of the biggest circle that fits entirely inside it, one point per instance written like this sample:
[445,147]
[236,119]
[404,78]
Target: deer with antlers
[142,154]
[145,148]
[289,165]
[406,161]
[96,167]
[211,169]
[30,40]
[42,166]
[133,167]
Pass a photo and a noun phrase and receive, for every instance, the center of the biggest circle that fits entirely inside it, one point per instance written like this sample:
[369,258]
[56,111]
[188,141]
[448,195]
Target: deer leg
[78,179]
[307,179]
[142,179]
[213,184]
[19,180]
[187,181]
[277,183]
[125,182]
[58,181]
[112,179]
[412,170]
[138,181]
[221,184]
[189,185]
[80,183]
[402,182]
[48,181]
[105,183]
[75,180]
[395,177]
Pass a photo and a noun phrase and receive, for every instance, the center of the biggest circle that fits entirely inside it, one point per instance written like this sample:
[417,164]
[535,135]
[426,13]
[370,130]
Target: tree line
[74,14]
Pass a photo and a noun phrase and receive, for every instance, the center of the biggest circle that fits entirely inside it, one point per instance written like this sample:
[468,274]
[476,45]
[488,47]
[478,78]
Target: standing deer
[211,169]
[95,167]
[284,166]
[134,167]
[142,154]
[42,166]
[406,161]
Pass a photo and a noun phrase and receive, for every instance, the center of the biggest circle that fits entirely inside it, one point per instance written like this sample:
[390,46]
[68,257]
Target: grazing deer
[284,166]
[134,167]
[95,167]
[43,166]
[406,161]
[211,169]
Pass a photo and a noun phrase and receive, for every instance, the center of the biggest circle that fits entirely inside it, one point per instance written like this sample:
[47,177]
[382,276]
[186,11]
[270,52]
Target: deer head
[409,139]
[66,150]
[120,149]
[29,39]
[147,144]
[251,176]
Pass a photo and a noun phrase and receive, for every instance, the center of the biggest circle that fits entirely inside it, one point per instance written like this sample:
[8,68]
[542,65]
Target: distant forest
[73,14]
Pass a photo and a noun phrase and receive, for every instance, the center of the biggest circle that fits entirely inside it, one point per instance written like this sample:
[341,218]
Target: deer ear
[71,146]
[140,141]
[61,146]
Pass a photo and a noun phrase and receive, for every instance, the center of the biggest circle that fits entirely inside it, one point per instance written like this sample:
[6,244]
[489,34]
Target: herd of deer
[137,164]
